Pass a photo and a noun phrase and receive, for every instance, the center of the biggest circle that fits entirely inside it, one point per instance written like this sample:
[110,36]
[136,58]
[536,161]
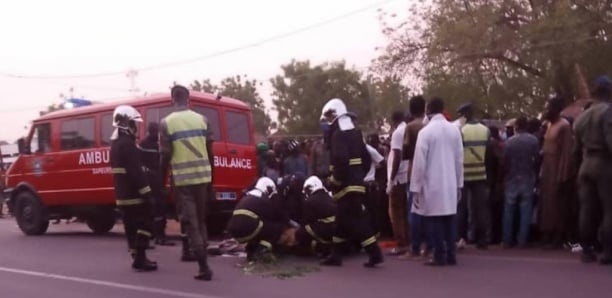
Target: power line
[42,106]
[209,56]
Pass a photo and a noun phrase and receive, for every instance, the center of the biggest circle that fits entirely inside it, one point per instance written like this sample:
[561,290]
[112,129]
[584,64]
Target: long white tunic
[437,170]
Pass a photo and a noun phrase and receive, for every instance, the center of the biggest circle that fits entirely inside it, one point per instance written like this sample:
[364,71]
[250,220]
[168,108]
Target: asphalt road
[71,262]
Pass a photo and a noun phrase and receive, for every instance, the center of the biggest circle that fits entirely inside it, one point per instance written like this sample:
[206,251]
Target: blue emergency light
[76,103]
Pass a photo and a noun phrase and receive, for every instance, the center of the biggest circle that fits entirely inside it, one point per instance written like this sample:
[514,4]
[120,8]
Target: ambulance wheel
[30,214]
[103,221]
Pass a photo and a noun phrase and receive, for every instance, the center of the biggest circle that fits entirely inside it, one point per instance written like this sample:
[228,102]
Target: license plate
[226,196]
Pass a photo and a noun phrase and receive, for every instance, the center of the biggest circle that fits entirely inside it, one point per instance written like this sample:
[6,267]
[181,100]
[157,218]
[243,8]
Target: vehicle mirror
[23,147]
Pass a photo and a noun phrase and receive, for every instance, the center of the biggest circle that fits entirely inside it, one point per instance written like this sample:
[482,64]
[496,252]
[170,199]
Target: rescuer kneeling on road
[131,187]
[259,221]
[319,210]
[183,145]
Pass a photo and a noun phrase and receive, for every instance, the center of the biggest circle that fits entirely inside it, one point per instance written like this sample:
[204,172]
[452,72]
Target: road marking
[109,284]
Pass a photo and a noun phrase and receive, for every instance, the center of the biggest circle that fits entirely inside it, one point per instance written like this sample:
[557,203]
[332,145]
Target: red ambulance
[63,169]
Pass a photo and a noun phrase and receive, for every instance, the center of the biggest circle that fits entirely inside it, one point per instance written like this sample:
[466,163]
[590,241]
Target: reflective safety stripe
[192,176]
[333,180]
[475,139]
[148,150]
[118,171]
[314,235]
[144,190]
[331,168]
[191,164]
[265,244]
[129,202]
[368,241]
[338,240]
[313,244]
[330,219]
[472,165]
[143,232]
[185,134]
[355,161]
[474,143]
[252,235]
[246,212]
[351,188]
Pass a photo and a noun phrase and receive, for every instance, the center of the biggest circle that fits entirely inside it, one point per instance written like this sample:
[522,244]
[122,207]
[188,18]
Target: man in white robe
[437,176]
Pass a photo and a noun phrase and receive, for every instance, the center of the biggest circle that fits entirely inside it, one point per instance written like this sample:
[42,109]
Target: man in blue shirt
[520,160]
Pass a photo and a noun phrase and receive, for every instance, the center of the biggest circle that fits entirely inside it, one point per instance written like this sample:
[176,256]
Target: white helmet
[312,184]
[266,186]
[125,117]
[333,109]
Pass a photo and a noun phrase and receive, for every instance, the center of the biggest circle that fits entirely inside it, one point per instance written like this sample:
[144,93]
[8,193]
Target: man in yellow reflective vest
[474,209]
[183,145]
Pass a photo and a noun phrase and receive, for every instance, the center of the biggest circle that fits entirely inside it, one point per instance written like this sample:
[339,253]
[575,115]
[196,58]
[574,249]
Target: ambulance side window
[41,139]
[78,134]
[107,129]
[212,115]
[155,115]
[237,126]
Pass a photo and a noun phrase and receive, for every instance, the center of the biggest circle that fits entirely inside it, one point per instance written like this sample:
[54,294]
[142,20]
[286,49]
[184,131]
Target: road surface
[71,262]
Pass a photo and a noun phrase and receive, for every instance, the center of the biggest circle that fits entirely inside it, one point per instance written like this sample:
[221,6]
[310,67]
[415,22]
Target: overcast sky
[63,38]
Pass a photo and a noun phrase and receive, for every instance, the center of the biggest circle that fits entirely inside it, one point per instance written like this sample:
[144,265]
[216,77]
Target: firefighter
[319,210]
[131,188]
[258,219]
[594,146]
[184,150]
[149,148]
[350,161]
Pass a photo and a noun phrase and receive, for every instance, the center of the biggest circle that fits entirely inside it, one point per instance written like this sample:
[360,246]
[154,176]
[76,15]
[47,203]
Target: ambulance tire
[103,221]
[30,214]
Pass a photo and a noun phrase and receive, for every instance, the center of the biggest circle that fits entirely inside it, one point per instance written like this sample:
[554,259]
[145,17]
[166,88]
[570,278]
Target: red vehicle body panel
[83,177]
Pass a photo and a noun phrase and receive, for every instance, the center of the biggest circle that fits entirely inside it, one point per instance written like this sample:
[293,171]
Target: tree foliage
[52,108]
[302,89]
[244,89]
[505,55]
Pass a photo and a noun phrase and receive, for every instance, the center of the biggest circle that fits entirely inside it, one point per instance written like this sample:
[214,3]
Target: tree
[244,89]
[506,55]
[302,90]
[52,108]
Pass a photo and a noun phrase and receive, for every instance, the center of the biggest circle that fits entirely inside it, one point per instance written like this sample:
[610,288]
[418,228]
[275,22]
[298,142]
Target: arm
[339,159]
[397,140]
[133,168]
[165,146]
[376,157]
[607,128]
[459,159]
[419,163]
[566,144]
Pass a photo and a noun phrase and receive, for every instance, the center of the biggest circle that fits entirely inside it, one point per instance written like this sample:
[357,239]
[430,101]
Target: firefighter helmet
[311,185]
[333,109]
[125,118]
[266,186]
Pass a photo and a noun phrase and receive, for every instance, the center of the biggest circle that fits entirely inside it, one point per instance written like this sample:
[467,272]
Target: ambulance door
[222,181]
[78,164]
[34,168]
[241,157]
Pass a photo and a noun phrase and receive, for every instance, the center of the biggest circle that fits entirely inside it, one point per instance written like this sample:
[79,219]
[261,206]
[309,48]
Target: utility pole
[132,74]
